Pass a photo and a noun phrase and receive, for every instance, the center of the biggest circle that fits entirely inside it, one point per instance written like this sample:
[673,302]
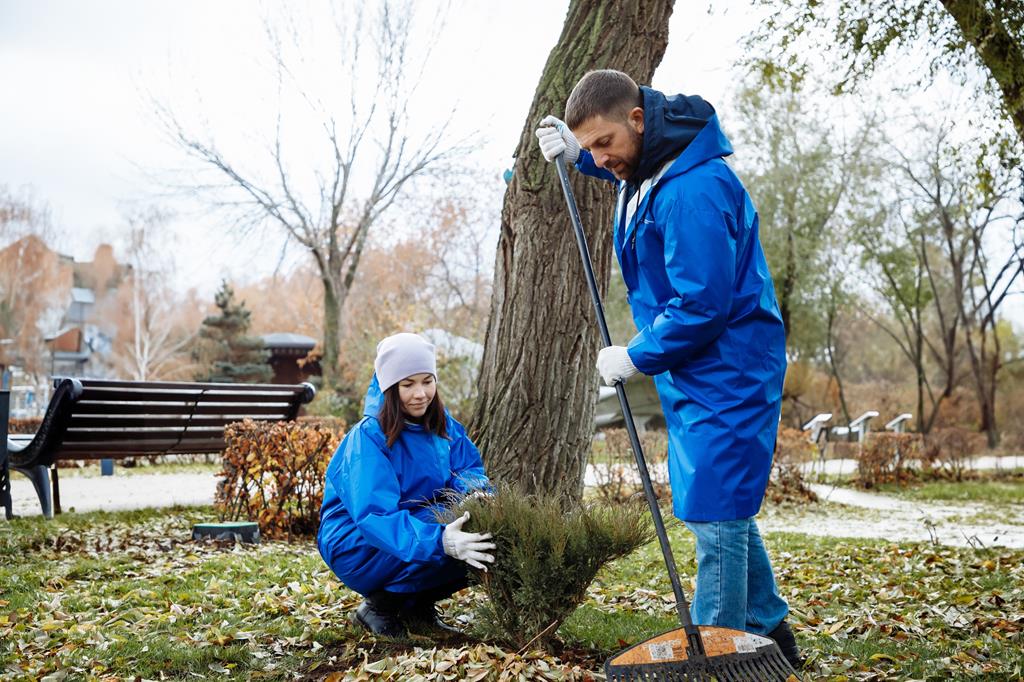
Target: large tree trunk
[534,418]
[330,363]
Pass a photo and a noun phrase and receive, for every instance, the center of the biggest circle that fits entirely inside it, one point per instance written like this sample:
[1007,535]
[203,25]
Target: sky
[78,127]
[80,131]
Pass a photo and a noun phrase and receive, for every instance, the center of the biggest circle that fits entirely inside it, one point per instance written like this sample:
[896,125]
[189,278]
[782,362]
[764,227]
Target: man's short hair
[606,93]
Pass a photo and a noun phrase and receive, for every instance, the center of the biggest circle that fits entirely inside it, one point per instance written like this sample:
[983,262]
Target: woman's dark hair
[392,417]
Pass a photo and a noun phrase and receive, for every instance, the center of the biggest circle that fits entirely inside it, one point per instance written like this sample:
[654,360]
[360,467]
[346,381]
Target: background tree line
[895,237]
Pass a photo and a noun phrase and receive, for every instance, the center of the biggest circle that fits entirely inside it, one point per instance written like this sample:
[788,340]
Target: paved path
[110,493]
[834,467]
[856,514]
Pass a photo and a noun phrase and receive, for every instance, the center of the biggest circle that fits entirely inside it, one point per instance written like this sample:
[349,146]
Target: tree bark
[330,363]
[538,386]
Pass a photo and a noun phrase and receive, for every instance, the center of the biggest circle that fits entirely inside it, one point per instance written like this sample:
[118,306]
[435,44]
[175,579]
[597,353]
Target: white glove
[556,138]
[614,364]
[468,547]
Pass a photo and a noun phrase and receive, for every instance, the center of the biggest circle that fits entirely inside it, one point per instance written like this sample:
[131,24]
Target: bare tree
[963,270]
[892,256]
[155,340]
[373,152]
[993,276]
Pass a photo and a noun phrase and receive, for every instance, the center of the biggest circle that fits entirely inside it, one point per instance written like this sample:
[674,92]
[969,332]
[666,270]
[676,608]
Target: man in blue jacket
[686,236]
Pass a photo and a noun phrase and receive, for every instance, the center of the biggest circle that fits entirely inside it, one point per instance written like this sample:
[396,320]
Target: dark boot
[378,619]
[424,609]
[783,636]
[427,615]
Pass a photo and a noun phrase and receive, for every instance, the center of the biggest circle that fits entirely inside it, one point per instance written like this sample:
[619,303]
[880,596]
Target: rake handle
[695,644]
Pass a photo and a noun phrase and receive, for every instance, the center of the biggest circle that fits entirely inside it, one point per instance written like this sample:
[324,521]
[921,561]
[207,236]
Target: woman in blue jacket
[378,528]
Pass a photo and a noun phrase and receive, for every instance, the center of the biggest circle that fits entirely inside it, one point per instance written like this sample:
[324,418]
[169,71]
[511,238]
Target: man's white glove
[468,547]
[556,138]
[614,364]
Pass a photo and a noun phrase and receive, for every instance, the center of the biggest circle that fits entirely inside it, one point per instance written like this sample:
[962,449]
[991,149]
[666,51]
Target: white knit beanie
[402,355]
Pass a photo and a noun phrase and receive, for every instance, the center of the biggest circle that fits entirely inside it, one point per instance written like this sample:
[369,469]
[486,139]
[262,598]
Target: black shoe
[783,636]
[427,615]
[378,621]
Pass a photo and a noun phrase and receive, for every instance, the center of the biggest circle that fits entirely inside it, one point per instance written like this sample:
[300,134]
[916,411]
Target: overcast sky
[77,124]
[78,128]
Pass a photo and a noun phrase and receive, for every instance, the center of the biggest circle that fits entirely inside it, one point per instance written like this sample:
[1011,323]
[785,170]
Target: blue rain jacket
[686,236]
[378,530]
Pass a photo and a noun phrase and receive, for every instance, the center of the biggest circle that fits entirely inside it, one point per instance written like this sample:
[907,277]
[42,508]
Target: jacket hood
[374,399]
[671,125]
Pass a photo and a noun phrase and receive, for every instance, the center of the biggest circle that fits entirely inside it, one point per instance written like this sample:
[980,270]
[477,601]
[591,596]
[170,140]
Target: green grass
[127,595]
[998,488]
[1005,490]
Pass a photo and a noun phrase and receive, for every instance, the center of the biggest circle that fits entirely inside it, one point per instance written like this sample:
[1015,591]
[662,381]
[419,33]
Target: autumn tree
[533,419]
[153,338]
[805,175]
[369,154]
[977,228]
[34,284]
[945,258]
[959,36]
[433,276]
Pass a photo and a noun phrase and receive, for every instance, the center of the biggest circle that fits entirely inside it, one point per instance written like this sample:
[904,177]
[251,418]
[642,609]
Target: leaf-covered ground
[130,596]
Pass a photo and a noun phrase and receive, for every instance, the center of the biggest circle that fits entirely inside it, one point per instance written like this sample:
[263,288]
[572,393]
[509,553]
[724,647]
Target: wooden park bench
[97,419]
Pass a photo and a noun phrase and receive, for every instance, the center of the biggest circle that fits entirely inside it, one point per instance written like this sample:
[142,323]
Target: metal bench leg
[5,486]
[40,477]
[56,489]
[5,471]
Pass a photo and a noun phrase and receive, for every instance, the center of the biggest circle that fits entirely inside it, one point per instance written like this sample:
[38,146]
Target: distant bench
[98,419]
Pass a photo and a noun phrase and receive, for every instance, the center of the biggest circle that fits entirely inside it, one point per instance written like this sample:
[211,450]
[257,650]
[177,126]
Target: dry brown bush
[889,458]
[274,474]
[616,473]
[787,484]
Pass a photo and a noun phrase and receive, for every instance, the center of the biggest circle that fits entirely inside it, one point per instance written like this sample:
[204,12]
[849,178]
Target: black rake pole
[695,645]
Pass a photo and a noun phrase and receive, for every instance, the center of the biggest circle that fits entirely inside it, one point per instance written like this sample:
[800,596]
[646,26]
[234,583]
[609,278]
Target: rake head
[731,656]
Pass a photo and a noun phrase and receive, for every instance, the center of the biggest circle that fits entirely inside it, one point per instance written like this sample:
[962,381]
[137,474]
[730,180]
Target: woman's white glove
[614,364]
[468,547]
[556,138]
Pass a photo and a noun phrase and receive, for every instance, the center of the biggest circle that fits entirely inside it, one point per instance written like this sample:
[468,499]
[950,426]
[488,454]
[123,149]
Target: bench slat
[121,450]
[124,436]
[263,411]
[177,396]
[152,447]
[105,383]
[145,420]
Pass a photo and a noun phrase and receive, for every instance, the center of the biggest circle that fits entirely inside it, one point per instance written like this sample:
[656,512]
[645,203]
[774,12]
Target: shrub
[24,424]
[889,458]
[274,474]
[792,449]
[1012,441]
[947,452]
[547,556]
[617,479]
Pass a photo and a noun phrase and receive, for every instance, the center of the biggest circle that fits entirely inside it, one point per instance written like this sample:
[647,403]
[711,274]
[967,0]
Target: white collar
[645,187]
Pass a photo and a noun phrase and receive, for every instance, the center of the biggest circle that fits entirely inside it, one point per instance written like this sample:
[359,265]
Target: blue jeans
[735,584]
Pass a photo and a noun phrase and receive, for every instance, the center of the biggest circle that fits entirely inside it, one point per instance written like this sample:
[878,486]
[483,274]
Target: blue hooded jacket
[378,529]
[686,236]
